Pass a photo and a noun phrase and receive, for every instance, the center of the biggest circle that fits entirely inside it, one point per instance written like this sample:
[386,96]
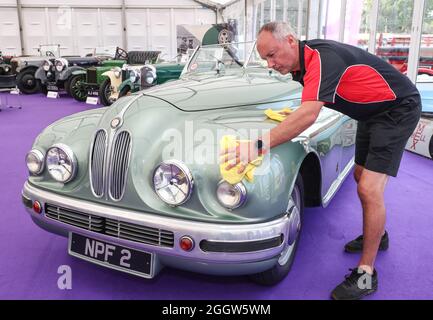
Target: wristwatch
[260,146]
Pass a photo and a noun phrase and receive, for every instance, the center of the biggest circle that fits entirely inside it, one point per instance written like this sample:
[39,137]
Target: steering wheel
[49,54]
[121,54]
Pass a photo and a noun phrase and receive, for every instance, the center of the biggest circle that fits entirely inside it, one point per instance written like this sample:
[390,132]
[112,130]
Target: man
[387,106]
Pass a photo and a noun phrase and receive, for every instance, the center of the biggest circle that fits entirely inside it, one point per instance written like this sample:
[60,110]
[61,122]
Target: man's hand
[243,153]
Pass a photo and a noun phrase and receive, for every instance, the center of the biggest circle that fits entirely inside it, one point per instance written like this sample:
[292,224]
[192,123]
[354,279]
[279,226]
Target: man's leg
[358,172]
[371,188]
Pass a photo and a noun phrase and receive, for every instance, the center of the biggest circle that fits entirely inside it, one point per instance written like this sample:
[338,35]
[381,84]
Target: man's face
[282,56]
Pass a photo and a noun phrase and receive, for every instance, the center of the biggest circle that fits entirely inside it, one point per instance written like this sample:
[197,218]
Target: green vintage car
[136,75]
[137,186]
[148,76]
[87,82]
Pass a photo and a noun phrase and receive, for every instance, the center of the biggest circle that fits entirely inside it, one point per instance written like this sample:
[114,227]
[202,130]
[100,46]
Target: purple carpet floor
[30,256]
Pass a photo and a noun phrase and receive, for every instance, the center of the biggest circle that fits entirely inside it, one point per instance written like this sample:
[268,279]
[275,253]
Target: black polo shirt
[349,79]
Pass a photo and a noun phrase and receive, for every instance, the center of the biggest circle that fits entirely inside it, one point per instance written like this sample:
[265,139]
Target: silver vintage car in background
[103,177]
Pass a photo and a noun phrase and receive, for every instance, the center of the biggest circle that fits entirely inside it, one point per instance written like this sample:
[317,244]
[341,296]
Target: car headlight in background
[47,65]
[61,163]
[7,69]
[173,182]
[61,64]
[134,76]
[231,196]
[149,74]
[35,161]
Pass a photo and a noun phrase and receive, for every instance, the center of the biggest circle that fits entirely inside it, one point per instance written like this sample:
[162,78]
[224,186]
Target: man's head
[278,45]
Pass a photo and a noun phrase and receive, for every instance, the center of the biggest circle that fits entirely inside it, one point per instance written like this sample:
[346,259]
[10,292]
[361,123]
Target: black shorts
[380,140]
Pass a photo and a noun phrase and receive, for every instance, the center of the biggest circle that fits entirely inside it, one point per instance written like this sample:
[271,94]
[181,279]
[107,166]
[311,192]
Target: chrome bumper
[198,231]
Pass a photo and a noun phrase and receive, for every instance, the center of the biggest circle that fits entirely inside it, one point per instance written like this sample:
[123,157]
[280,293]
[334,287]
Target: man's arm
[291,127]
[294,124]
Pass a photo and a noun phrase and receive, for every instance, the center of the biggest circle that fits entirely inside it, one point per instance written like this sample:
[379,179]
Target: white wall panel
[95,3]
[9,32]
[87,30]
[136,29]
[111,27]
[60,30]
[34,29]
[161,31]
[80,25]
[166,3]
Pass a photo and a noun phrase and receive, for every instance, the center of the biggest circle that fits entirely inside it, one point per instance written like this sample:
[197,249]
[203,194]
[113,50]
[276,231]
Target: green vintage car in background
[137,75]
[148,76]
[88,82]
[137,186]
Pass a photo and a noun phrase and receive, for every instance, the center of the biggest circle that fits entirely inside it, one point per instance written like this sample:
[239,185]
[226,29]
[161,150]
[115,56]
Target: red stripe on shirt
[312,76]
[364,84]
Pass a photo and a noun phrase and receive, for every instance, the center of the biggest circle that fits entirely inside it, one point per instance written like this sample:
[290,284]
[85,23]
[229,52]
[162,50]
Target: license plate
[52,88]
[93,93]
[111,255]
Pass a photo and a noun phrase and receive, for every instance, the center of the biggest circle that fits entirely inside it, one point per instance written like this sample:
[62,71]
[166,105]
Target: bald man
[387,106]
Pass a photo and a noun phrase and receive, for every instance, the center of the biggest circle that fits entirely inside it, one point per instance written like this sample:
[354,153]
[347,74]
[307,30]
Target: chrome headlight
[231,196]
[61,64]
[149,74]
[134,75]
[47,65]
[35,161]
[7,69]
[117,72]
[173,182]
[61,163]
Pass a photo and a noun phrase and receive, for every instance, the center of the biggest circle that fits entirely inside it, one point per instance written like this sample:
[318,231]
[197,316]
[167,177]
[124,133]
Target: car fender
[41,74]
[78,72]
[65,74]
[125,83]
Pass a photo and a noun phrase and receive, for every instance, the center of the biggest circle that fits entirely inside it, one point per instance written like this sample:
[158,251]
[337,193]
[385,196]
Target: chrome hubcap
[294,225]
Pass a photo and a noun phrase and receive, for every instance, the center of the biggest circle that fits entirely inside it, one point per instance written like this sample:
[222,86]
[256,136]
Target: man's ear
[291,40]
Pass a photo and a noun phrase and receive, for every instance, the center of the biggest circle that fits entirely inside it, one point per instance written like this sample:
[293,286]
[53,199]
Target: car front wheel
[105,92]
[27,83]
[295,209]
[77,89]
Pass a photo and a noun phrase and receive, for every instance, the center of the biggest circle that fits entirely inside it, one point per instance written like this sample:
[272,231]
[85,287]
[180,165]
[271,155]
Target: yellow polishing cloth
[232,176]
[278,115]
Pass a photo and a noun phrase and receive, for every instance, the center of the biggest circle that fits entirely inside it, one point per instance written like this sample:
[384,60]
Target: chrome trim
[103,163]
[180,227]
[243,192]
[71,156]
[124,165]
[41,157]
[337,183]
[183,167]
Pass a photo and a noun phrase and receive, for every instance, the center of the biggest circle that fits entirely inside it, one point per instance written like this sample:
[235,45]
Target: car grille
[125,75]
[137,233]
[97,162]
[119,164]
[111,227]
[75,218]
[14,66]
[91,75]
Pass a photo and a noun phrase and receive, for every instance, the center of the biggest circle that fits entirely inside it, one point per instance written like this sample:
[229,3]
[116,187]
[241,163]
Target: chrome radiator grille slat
[138,233]
[119,164]
[111,227]
[84,221]
[97,162]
